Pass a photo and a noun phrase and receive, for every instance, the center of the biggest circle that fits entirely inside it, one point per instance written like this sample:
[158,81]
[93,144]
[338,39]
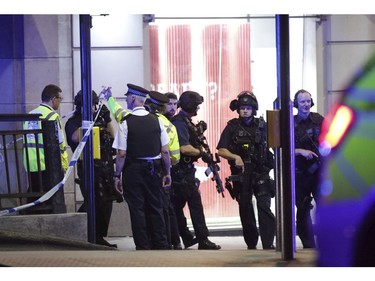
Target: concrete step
[70,226]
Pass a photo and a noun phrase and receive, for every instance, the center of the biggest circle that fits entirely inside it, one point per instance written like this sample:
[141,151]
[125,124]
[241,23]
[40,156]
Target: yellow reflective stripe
[174,152]
[120,114]
[50,115]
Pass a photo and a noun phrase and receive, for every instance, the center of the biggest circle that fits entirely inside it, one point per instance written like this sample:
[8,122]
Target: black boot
[188,239]
[102,241]
[208,245]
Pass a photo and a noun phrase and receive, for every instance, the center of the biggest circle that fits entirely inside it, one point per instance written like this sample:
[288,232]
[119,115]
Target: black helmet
[78,99]
[189,101]
[244,98]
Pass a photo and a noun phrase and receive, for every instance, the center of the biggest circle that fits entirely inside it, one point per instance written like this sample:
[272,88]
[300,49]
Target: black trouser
[103,211]
[103,206]
[266,219]
[173,234]
[185,190]
[306,189]
[143,193]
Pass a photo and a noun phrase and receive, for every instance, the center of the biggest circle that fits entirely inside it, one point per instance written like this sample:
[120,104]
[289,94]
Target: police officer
[144,161]
[103,167]
[185,185]
[243,143]
[51,99]
[307,127]
[171,108]
[156,104]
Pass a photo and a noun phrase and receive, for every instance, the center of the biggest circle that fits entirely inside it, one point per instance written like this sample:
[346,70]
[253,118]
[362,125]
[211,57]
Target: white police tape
[61,184]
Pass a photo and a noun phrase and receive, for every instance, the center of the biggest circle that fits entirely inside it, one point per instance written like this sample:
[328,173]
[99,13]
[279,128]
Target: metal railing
[15,178]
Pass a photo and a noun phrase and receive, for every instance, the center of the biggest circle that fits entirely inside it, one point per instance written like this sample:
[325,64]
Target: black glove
[206,157]
[106,114]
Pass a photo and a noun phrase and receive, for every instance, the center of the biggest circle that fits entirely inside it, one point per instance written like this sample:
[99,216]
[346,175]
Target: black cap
[78,98]
[137,90]
[158,98]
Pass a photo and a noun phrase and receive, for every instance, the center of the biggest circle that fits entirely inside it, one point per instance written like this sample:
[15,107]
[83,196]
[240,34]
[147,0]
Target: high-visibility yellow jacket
[117,110]
[47,113]
[173,146]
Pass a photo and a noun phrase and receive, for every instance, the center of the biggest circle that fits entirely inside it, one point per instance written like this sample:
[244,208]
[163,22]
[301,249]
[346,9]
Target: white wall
[263,55]
[117,52]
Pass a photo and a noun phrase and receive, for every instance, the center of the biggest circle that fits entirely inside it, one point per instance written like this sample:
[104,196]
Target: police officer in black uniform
[156,104]
[105,194]
[243,143]
[185,185]
[144,161]
[307,127]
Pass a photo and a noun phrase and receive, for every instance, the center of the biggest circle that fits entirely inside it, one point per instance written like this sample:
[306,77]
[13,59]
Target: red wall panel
[213,60]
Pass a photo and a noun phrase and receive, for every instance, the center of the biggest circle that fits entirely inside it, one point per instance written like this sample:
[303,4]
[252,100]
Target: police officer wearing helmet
[184,184]
[307,127]
[105,194]
[243,143]
[144,162]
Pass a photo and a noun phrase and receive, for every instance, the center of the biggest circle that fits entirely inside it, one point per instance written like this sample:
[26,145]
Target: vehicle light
[337,129]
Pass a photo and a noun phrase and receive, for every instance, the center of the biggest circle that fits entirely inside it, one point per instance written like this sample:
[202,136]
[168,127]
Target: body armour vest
[143,136]
[306,134]
[250,142]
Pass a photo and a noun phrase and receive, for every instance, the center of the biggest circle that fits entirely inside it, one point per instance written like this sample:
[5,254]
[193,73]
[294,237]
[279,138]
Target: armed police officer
[185,185]
[307,127]
[171,111]
[243,143]
[105,193]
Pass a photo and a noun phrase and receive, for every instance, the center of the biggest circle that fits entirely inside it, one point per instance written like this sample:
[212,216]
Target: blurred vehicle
[345,218]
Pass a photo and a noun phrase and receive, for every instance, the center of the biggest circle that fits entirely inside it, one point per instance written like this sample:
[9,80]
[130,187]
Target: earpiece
[295,101]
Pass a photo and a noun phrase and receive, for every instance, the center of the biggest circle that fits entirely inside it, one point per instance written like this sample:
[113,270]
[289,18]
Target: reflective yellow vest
[174,144]
[47,113]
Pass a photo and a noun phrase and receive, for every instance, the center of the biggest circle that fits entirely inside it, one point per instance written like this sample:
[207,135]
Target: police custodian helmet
[189,101]
[244,98]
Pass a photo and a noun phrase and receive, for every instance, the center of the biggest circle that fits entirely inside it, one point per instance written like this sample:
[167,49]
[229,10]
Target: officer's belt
[138,160]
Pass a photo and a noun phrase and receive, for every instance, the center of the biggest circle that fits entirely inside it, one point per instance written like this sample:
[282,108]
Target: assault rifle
[316,162]
[212,164]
